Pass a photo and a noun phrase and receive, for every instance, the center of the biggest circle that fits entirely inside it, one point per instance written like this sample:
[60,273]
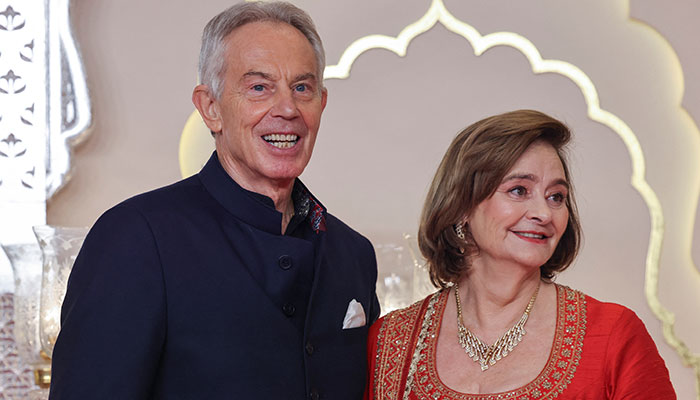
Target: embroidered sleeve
[393,352]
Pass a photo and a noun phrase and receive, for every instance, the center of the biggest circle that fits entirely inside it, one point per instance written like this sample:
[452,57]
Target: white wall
[387,126]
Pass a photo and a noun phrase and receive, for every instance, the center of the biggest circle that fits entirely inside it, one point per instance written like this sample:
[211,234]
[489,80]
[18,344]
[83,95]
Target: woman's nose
[539,210]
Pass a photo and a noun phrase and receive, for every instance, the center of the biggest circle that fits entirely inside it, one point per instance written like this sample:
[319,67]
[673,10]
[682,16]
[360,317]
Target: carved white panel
[44,110]
[23,117]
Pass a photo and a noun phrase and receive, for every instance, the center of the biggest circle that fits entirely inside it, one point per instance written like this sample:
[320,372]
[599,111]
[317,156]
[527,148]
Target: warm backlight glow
[438,13]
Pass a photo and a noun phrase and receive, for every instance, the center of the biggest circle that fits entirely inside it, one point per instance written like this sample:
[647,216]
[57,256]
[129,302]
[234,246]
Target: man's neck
[280,191]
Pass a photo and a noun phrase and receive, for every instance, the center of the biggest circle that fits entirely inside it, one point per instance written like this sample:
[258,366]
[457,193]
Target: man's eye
[518,191]
[301,87]
[258,88]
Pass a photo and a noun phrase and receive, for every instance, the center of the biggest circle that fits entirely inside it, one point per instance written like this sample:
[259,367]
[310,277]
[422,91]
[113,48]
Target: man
[234,283]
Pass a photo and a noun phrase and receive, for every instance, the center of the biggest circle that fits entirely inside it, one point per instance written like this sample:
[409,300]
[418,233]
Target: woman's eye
[518,191]
[557,197]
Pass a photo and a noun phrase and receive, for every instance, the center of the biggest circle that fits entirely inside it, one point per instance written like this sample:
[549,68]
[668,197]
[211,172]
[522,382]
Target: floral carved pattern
[22,85]
[22,149]
[11,20]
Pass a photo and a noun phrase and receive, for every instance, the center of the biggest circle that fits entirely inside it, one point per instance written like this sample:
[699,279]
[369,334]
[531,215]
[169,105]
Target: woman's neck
[494,297]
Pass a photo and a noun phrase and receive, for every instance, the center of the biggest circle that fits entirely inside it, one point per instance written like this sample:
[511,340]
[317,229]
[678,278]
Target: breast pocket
[355,336]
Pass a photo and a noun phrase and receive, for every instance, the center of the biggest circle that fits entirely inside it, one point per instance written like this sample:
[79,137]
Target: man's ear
[208,107]
[324,98]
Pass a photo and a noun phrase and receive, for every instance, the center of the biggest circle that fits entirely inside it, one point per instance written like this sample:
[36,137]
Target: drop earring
[459,231]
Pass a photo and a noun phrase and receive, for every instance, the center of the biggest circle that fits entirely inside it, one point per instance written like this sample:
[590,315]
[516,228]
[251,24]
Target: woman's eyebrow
[517,175]
[531,177]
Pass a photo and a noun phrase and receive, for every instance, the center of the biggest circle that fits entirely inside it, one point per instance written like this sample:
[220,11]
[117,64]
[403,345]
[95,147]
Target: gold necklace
[479,351]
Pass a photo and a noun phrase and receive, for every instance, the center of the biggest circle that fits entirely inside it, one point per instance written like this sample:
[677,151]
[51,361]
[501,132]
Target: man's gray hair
[212,60]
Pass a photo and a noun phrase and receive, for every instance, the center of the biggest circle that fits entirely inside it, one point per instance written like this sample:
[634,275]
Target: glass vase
[395,277]
[402,277]
[60,247]
[26,261]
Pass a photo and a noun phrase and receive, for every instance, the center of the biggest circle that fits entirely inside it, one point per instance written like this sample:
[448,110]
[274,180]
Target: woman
[499,222]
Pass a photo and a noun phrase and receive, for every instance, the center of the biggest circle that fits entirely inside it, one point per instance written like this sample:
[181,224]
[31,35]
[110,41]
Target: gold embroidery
[551,382]
[393,344]
[394,353]
[420,343]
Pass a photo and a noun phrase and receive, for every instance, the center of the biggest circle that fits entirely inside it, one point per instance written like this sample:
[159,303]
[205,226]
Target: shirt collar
[308,207]
[254,208]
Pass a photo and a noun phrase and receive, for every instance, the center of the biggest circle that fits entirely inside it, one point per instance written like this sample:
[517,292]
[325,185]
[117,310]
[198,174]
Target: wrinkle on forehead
[280,37]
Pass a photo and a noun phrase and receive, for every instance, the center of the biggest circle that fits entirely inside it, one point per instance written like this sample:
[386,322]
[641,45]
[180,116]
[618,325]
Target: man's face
[270,106]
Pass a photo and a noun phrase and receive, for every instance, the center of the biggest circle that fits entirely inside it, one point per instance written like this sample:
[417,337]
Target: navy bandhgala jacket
[169,299]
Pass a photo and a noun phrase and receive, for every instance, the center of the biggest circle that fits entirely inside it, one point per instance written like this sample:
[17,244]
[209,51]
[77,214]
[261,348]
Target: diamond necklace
[479,351]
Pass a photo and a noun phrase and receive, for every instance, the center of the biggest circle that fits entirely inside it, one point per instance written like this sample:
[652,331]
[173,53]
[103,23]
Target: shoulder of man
[166,195]
[137,214]
[336,227]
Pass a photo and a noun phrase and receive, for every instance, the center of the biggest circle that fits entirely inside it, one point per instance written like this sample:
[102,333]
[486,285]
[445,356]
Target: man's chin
[283,174]
[283,168]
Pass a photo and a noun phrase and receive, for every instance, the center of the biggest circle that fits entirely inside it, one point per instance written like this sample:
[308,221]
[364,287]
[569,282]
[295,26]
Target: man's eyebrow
[304,77]
[258,73]
[301,77]
[531,177]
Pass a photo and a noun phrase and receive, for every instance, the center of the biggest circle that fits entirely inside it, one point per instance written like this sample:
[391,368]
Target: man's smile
[281,141]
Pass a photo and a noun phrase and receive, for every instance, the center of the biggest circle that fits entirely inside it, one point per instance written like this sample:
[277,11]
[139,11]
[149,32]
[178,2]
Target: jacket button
[285,262]
[288,309]
[314,395]
[309,348]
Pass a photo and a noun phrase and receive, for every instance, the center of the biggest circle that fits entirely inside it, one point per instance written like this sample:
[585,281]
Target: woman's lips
[530,236]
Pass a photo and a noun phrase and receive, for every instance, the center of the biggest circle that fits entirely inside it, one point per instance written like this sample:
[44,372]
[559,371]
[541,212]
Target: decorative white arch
[439,13]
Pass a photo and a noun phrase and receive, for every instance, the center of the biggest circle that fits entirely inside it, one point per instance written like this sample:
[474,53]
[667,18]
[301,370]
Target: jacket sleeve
[634,368]
[113,319]
[375,308]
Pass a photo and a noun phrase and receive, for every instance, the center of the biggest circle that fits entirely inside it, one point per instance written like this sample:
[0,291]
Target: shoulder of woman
[403,315]
[617,337]
[602,317]
[596,308]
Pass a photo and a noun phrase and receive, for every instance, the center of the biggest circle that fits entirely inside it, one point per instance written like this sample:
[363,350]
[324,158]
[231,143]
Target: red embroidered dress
[600,351]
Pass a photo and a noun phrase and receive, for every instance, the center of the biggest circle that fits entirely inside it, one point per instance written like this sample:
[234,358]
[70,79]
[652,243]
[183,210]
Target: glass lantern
[60,247]
[402,276]
[26,268]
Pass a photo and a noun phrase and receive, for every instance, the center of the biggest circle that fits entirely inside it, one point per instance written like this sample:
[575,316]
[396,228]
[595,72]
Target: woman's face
[524,219]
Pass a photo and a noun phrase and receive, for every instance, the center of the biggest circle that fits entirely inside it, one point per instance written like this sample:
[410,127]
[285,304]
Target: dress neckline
[558,371]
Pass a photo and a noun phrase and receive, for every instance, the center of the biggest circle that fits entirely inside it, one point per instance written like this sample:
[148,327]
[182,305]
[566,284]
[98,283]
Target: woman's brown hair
[470,172]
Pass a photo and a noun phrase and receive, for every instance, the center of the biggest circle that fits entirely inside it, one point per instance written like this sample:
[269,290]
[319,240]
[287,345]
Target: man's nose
[285,105]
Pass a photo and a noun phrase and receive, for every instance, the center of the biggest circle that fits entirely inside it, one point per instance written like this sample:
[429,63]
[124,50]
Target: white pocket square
[355,316]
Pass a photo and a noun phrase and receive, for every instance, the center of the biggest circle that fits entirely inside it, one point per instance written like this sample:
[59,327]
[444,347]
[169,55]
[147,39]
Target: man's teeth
[531,235]
[281,141]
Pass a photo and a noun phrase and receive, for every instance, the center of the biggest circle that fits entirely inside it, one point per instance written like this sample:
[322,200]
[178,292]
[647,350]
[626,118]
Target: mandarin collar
[252,208]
